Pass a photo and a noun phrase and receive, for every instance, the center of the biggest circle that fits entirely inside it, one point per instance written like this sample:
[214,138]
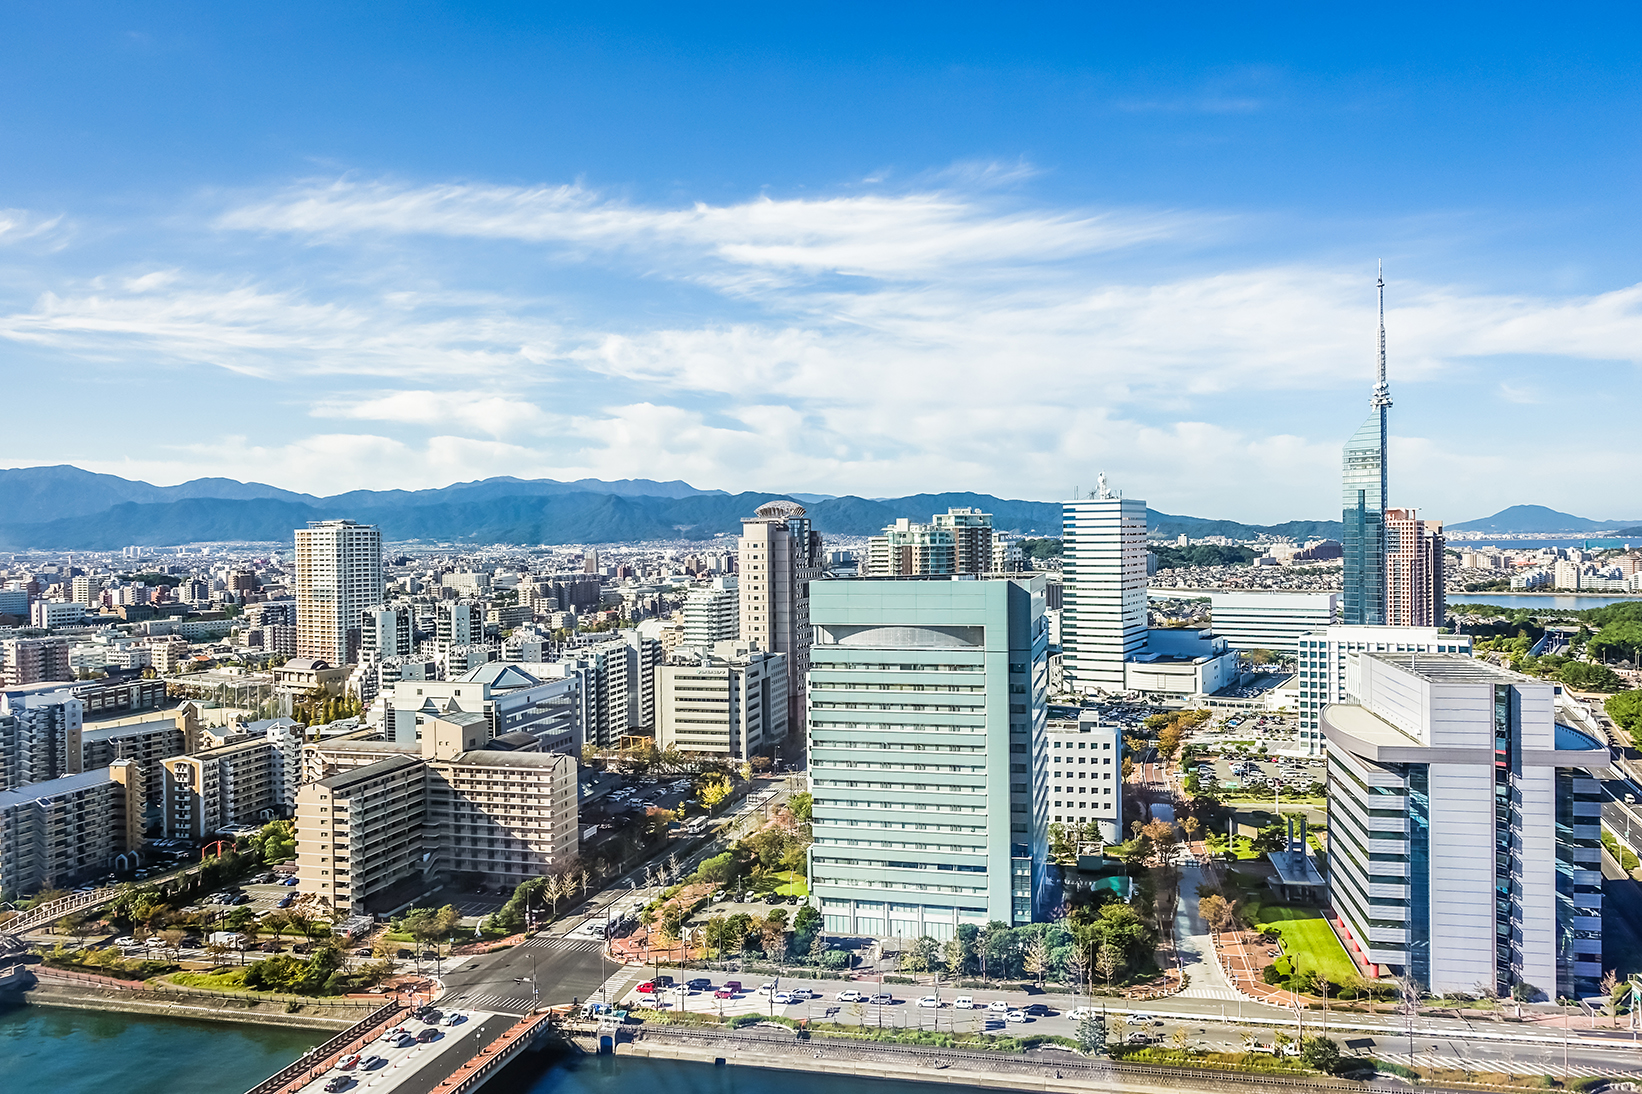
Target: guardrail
[381,1016]
[517,1038]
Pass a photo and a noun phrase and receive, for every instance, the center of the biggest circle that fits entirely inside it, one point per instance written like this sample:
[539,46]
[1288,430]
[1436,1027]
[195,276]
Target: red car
[724,993]
[646,988]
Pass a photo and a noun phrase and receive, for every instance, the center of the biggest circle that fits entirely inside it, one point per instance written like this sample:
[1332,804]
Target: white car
[964,1002]
[766,989]
[997,1005]
[930,1001]
[782,998]
[1015,1016]
[849,995]
[1078,1014]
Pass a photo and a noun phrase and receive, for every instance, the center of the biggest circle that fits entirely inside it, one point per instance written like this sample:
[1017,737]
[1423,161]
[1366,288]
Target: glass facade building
[1362,515]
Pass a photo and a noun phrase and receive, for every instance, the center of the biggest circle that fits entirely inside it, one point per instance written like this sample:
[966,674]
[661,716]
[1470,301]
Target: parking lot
[1293,775]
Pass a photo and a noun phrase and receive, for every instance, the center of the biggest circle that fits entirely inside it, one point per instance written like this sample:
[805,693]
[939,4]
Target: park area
[1309,943]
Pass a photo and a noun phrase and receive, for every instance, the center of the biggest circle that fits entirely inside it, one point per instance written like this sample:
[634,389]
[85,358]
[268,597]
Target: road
[1215,1025]
[419,1068]
[562,964]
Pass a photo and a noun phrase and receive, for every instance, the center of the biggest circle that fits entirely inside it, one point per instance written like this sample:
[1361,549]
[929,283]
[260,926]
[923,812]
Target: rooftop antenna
[1382,392]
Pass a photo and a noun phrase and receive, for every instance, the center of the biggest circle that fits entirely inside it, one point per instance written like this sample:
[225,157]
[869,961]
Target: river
[1567,602]
[92,1052]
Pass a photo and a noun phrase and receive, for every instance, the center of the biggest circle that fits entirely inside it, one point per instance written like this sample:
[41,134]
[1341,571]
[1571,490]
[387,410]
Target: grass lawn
[1307,940]
[783,883]
[228,980]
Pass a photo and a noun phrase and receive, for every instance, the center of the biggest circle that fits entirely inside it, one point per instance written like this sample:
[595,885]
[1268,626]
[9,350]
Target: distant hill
[65,508]
[1535,518]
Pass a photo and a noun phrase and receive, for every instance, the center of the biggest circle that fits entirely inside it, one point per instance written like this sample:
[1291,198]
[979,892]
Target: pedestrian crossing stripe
[1511,1067]
[579,945]
[497,1002]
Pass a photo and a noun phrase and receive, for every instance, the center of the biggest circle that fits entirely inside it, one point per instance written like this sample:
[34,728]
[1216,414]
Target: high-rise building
[926,733]
[338,576]
[1323,654]
[712,613]
[911,550]
[1104,564]
[1414,594]
[34,660]
[729,703]
[971,539]
[250,781]
[1465,828]
[1363,498]
[780,556]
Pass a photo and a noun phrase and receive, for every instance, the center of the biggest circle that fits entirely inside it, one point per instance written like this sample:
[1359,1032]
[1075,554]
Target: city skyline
[1149,258]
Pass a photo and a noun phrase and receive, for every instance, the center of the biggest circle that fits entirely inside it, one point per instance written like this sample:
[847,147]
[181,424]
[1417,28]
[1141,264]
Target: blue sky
[873,250]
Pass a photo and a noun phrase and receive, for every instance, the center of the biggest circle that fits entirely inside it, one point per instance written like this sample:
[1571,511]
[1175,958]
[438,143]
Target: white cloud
[495,415]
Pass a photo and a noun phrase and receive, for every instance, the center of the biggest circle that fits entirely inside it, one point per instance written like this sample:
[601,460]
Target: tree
[1321,1054]
[173,940]
[714,790]
[1035,958]
[801,805]
[1610,991]
[1077,965]
[1218,912]
[278,922]
[1109,960]
[1117,1028]
[955,957]
[1092,1035]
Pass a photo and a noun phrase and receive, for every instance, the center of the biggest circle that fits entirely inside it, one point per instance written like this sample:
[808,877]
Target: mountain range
[66,508]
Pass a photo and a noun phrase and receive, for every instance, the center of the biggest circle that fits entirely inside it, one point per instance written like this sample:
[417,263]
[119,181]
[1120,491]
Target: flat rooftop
[1450,668]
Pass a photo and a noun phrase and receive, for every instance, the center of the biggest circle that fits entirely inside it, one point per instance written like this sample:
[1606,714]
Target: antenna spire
[1382,391]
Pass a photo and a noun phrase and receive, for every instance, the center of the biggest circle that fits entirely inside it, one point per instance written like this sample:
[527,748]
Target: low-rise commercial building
[1085,776]
[1270,621]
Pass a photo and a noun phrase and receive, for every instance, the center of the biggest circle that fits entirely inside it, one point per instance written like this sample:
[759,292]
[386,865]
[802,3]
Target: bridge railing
[381,1016]
[36,918]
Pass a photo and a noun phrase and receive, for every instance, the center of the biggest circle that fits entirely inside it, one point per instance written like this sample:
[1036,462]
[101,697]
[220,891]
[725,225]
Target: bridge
[49,913]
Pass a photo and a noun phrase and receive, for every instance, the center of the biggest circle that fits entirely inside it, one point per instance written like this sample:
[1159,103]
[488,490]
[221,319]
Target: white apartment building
[510,698]
[40,732]
[1320,674]
[780,555]
[1271,621]
[1465,827]
[338,576]
[1085,777]
[1103,622]
[712,613]
[729,702]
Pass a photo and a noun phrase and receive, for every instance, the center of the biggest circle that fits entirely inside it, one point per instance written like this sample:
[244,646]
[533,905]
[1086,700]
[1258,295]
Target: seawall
[165,1005]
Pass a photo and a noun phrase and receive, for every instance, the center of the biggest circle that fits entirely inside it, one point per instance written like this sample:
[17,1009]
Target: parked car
[338,1082]
[782,998]
[998,1005]
[963,1002]
[664,981]
[930,1001]
[766,989]
[700,983]
[455,1018]
[849,995]
[881,998]
[723,993]
[1039,1010]
[646,988]
[734,986]
[1015,1016]
[429,1034]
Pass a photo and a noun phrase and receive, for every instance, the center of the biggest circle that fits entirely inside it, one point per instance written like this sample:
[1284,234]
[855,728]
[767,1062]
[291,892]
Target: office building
[780,555]
[1270,621]
[926,735]
[338,576]
[1465,828]
[1414,594]
[727,702]
[1179,663]
[40,731]
[712,613]
[1320,667]
[1085,776]
[46,614]
[243,782]
[56,833]
[459,623]
[34,661]
[1104,566]
[1363,500]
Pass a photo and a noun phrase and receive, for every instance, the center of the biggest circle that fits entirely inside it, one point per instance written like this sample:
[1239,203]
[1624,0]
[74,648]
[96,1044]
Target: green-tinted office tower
[926,728]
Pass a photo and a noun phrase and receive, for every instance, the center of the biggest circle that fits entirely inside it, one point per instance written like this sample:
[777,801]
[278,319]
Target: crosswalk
[1512,1067]
[505,1004]
[1208,991]
[566,945]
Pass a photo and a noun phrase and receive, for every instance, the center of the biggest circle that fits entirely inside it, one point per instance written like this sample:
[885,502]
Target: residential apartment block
[244,782]
[1085,776]
[40,732]
[1414,565]
[56,833]
[338,576]
[780,555]
[33,661]
[712,613]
